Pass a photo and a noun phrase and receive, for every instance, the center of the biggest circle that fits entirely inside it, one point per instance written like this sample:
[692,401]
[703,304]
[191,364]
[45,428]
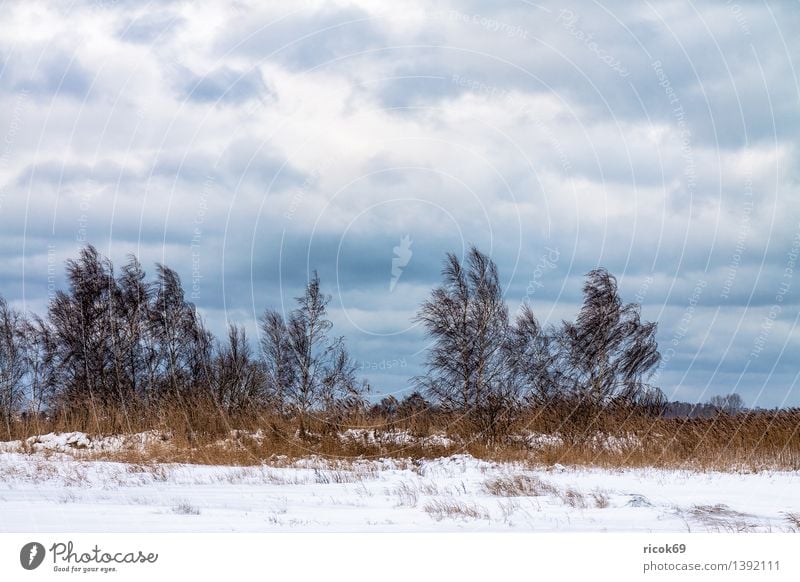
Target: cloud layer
[248,143]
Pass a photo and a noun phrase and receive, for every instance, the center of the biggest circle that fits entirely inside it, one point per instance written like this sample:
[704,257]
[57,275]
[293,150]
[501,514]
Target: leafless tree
[12,363]
[306,367]
[278,357]
[82,326]
[533,358]
[135,353]
[40,360]
[608,353]
[238,378]
[175,329]
[342,392]
[467,365]
[308,329]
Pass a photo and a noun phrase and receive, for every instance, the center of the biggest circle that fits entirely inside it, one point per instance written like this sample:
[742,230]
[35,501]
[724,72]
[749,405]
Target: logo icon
[31,555]
[402,256]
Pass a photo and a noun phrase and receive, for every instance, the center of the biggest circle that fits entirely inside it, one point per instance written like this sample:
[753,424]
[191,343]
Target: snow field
[47,491]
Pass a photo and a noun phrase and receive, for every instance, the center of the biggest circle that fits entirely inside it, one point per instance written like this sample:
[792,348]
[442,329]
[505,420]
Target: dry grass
[508,508]
[68,497]
[750,442]
[573,498]
[532,486]
[328,477]
[519,486]
[452,509]
[721,518]
[198,432]
[600,498]
[185,508]
[408,495]
[794,520]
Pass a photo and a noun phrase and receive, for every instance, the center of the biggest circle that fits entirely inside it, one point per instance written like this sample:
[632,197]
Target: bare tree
[278,357]
[12,363]
[467,366]
[136,357]
[608,353]
[450,363]
[81,321]
[123,341]
[238,377]
[308,329]
[200,351]
[342,392]
[640,357]
[40,360]
[305,367]
[174,327]
[533,358]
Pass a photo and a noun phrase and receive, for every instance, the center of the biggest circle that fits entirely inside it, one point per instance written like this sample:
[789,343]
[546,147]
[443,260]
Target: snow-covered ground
[50,489]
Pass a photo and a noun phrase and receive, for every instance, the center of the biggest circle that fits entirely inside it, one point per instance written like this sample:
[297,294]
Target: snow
[79,443]
[50,484]
[76,443]
[396,438]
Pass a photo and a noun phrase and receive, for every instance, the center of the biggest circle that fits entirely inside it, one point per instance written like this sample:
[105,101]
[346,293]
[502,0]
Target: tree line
[488,367]
[116,340]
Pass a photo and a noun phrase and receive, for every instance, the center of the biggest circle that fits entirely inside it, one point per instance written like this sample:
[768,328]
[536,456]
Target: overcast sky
[247,143]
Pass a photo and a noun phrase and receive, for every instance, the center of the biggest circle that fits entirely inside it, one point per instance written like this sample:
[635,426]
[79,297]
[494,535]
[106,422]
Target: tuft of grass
[429,488]
[185,508]
[508,508]
[440,509]
[717,510]
[573,498]
[407,494]
[326,477]
[794,520]
[721,518]
[68,497]
[518,486]
[600,499]
[75,476]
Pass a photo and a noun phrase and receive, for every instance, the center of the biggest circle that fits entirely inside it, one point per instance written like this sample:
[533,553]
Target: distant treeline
[728,404]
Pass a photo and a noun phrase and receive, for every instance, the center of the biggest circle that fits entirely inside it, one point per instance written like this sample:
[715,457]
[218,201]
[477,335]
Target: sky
[246,144]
